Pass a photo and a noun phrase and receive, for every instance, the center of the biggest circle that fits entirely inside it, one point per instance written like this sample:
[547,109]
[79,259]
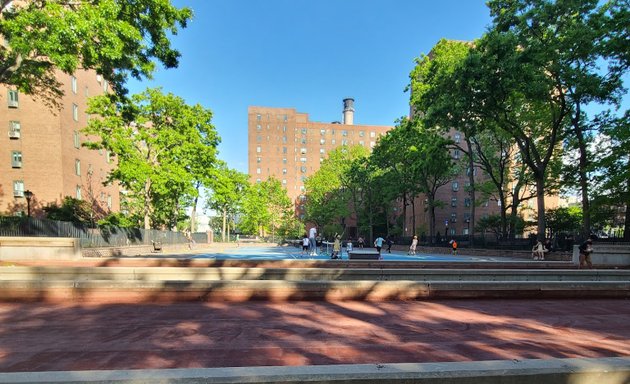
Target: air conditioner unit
[13,103]
[18,193]
[16,164]
[14,134]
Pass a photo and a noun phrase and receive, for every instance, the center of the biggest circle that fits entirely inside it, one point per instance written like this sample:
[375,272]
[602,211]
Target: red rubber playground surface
[47,337]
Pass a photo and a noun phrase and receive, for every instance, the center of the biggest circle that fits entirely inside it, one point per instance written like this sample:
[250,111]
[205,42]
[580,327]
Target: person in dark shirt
[586,248]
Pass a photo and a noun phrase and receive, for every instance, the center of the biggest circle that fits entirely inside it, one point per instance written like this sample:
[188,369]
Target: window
[453,217]
[105,86]
[474,171]
[90,171]
[453,232]
[258,117]
[258,171]
[284,160]
[16,159]
[18,188]
[361,133]
[13,98]
[99,78]
[467,202]
[303,169]
[303,159]
[303,151]
[322,151]
[372,144]
[344,142]
[257,181]
[284,149]
[322,132]
[258,127]
[303,141]
[109,201]
[108,157]
[284,171]
[14,129]
[79,192]
[455,186]
[284,181]
[466,231]
[286,118]
[344,133]
[73,82]
[454,202]
[456,154]
[322,141]
[258,149]
[304,131]
[457,138]
[258,159]
[77,167]
[372,134]
[86,91]
[333,141]
[75,112]
[77,140]
[361,142]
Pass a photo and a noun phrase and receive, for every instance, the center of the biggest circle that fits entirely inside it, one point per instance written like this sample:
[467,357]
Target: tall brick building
[285,144]
[41,151]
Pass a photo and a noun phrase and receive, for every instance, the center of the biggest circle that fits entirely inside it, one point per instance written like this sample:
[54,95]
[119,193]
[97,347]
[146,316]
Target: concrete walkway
[45,337]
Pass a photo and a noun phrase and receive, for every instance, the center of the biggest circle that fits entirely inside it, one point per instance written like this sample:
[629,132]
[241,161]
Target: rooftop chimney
[348,111]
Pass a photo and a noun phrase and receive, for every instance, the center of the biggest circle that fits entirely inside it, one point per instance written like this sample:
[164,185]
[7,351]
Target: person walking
[389,244]
[586,248]
[414,244]
[336,248]
[378,243]
[312,234]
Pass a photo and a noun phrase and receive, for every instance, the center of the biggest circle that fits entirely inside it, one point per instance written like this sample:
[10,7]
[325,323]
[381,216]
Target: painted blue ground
[292,253]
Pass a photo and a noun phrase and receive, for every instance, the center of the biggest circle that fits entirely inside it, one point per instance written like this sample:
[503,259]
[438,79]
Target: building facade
[286,145]
[41,151]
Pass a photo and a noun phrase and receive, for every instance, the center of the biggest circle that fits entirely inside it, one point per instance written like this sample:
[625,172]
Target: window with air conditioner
[18,188]
[14,129]
[13,98]
[16,159]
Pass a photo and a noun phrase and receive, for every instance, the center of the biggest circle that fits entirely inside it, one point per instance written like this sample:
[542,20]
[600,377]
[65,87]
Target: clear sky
[308,55]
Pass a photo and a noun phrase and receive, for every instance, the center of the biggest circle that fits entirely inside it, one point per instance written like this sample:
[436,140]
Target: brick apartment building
[284,144]
[41,151]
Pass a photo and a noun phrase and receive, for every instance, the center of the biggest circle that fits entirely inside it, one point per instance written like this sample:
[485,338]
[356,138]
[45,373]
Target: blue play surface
[292,253]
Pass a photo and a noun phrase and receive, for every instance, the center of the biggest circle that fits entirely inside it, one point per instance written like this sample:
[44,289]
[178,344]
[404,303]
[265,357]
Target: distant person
[586,248]
[360,242]
[312,234]
[414,244]
[336,248]
[538,251]
[378,243]
[389,244]
[305,244]
[548,245]
[349,246]
[453,244]
[238,240]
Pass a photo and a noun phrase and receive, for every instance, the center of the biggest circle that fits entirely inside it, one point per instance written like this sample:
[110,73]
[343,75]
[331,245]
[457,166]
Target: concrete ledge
[302,274]
[281,291]
[613,370]
[38,248]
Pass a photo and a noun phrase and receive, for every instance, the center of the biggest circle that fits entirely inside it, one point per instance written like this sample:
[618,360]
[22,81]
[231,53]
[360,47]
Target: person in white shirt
[312,234]
[305,244]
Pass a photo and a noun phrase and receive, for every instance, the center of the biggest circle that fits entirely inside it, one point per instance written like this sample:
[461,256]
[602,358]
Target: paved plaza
[46,337]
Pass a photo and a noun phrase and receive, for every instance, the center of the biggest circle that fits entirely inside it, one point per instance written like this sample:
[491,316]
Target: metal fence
[92,237]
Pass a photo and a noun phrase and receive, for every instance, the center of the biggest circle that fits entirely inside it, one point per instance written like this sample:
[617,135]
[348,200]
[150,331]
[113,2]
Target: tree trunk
[224,224]
[413,217]
[540,200]
[626,226]
[147,204]
[582,172]
[473,195]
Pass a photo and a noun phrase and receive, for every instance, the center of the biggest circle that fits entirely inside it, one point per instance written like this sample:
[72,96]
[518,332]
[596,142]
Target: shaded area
[39,337]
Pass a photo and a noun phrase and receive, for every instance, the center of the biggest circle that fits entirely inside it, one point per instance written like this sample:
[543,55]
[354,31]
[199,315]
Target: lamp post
[28,195]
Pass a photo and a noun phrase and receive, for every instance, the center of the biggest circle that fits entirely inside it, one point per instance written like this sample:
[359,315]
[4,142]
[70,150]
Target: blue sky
[308,55]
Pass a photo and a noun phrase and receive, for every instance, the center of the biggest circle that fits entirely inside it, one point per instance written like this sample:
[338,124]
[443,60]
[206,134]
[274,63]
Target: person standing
[378,243]
[454,246]
[305,244]
[389,244]
[586,248]
[414,244]
[312,234]
[360,242]
[336,248]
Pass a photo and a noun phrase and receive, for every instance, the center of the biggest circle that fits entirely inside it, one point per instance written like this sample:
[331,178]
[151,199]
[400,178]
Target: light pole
[28,195]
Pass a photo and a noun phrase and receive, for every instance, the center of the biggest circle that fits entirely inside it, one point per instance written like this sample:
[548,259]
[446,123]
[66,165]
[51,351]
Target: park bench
[157,246]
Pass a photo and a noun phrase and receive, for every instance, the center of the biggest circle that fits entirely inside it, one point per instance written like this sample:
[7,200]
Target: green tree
[117,38]
[563,220]
[582,46]
[266,209]
[72,210]
[159,142]
[227,189]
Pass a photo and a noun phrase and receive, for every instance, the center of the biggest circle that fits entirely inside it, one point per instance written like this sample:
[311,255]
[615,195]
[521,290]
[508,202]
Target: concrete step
[134,291]
[51,273]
